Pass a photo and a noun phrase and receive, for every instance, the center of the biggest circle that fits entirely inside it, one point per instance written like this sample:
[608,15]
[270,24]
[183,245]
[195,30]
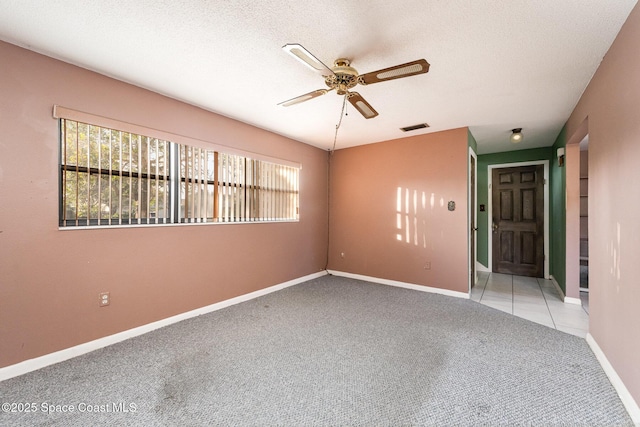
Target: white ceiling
[495,64]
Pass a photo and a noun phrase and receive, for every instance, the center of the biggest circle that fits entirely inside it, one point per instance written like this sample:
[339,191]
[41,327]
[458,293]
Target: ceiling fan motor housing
[344,78]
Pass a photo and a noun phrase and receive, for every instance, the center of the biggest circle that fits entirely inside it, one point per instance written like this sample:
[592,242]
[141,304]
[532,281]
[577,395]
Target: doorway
[518,218]
[584,223]
[473,225]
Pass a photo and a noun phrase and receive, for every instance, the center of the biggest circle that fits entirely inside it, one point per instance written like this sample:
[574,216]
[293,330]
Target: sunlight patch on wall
[614,252]
[411,213]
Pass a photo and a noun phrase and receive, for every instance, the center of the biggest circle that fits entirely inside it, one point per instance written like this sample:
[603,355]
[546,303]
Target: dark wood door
[518,220]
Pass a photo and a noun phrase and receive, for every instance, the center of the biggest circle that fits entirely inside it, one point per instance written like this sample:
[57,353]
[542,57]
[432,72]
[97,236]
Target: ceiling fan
[342,77]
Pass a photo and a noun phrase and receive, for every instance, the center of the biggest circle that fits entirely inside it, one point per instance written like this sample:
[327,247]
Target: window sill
[103,227]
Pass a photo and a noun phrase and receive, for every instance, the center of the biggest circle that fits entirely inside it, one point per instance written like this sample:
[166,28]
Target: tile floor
[533,299]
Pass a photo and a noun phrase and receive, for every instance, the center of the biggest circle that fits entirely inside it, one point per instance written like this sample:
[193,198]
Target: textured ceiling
[495,64]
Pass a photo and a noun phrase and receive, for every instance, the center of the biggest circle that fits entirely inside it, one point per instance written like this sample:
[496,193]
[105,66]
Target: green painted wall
[472,141]
[484,161]
[558,215]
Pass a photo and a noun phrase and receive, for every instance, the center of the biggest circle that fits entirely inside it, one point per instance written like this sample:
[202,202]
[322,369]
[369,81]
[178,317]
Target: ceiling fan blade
[303,55]
[362,106]
[404,70]
[305,97]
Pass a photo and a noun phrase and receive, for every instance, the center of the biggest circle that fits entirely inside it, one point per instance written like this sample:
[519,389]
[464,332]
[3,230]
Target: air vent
[414,127]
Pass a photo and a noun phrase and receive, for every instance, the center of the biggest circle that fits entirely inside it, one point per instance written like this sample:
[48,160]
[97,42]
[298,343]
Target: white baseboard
[401,284]
[481,267]
[566,299]
[629,403]
[78,350]
[557,285]
[571,300]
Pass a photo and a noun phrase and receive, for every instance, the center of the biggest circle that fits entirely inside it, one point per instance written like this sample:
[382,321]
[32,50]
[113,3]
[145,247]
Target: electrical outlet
[427,265]
[104,299]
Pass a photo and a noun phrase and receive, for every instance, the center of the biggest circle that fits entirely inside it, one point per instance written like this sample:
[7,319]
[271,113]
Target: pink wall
[389,214]
[50,279]
[611,103]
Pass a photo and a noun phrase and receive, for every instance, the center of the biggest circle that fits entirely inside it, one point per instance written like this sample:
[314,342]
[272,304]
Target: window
[110,177]
[113,177]
[219,187]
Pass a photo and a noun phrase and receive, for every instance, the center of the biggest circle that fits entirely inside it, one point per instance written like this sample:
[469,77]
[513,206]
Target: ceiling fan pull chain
[342,114]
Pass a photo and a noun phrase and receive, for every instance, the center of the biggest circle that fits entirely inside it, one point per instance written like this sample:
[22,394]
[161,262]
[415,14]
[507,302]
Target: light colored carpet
[333,351]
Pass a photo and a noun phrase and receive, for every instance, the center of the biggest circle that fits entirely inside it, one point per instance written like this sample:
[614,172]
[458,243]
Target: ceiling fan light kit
[516,135]
[343,77]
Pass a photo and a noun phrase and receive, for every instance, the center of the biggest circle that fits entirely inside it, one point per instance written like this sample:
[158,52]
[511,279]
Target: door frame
[472,215]
[546,208]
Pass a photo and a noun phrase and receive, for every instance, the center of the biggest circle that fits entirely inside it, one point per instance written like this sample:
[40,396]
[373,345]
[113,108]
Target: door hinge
[544,181]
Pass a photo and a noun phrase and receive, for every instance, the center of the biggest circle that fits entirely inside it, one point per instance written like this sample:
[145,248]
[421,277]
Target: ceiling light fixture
[516,135]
